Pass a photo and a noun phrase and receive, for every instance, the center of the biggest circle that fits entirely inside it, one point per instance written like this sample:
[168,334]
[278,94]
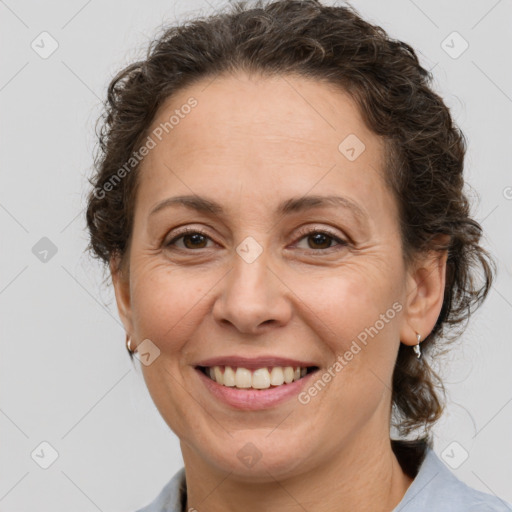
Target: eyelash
[302,234]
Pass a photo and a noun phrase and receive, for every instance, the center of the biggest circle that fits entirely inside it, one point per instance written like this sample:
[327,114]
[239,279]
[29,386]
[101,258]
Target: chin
[254,456]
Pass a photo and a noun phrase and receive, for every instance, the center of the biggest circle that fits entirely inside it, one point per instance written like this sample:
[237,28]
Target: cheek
[355,314]
[167,303]
[350,301]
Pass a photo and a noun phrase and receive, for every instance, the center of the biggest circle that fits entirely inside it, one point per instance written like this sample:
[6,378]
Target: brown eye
[191,239]
[321,240]
[194,241]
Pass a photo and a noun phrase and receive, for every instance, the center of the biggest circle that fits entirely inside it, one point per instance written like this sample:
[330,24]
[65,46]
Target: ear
[425,293]
[121,284]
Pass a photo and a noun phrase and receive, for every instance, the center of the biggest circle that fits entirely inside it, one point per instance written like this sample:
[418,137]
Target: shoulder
[435,487]
[172,497]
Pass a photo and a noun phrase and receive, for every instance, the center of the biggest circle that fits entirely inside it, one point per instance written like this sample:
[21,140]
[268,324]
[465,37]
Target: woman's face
[275,276]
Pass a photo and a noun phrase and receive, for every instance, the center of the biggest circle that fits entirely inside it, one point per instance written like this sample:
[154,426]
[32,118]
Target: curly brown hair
[424,148]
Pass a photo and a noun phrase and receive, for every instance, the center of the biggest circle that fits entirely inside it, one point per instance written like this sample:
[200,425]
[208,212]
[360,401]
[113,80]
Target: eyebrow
[293,205]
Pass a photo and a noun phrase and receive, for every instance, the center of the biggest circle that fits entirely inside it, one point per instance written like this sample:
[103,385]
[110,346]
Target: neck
[364,476]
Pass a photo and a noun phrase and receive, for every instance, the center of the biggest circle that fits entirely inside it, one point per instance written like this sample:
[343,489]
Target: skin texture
[249,144]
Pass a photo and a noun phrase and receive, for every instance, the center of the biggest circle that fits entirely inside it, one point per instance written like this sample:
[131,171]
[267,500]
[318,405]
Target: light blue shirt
[434,489]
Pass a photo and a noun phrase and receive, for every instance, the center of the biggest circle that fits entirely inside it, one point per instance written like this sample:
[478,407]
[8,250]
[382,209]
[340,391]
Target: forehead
[284,134]
[276,108]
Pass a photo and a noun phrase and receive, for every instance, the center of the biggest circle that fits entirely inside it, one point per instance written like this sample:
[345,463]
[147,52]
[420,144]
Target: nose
[253,298]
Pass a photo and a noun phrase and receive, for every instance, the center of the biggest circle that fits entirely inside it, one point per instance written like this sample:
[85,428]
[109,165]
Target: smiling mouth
[259,378]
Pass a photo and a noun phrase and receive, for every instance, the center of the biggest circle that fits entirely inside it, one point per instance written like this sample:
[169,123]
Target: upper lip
[254,362]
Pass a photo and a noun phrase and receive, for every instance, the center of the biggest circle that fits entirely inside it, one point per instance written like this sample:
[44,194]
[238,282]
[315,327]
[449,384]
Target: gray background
[65,376]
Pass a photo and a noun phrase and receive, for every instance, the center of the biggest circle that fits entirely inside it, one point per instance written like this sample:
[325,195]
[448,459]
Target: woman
[279,198]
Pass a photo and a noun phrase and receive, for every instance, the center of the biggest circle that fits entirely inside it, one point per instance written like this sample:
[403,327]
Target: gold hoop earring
[128,344]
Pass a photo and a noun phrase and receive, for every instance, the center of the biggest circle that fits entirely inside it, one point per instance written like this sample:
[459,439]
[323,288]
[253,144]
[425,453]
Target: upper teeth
[261,378]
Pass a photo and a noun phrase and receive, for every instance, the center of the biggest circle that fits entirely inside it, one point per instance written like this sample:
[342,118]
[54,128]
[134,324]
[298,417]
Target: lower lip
[254,399]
